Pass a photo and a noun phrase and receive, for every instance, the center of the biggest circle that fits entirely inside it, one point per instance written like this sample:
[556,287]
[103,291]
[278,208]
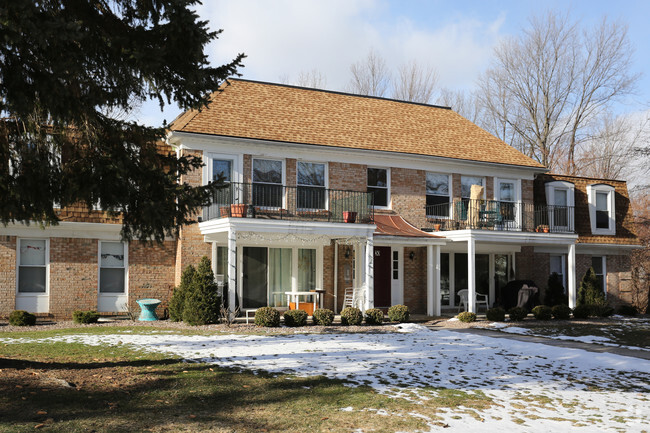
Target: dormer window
[601,209]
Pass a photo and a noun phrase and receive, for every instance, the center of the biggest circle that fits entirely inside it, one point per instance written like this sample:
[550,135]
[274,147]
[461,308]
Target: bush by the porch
[467,317]
[554,294]
[543,312]
[374,316]
[561,312]
[85,316]
[323,316]
[267,317]
[581,312]
[626,310]
[22,318]
[295,318]
[496,314]
[398,313]
[177,302]
[517,314]
[351,316]
[601,310]
[202,300]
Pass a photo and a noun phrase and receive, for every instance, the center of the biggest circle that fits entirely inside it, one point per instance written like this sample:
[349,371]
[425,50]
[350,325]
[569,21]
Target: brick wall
[7,274]
[151,273]
[344,263]
[408,194]
[291,172]
[353,177]
[415,280]
[328,276]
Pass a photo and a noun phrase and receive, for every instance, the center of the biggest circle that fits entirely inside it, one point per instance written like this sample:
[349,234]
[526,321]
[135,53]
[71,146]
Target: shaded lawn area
[69,387]
[634,332]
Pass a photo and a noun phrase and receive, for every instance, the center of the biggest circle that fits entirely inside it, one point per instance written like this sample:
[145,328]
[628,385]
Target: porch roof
[395,225]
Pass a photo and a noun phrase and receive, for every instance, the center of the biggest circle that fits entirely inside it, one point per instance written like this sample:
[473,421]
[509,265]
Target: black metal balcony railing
[499,215]
[258,200]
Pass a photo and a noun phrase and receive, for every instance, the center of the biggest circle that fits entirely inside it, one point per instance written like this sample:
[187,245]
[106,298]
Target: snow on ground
[535,387]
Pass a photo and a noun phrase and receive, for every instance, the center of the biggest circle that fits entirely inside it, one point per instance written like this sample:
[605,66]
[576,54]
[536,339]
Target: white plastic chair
[348,297]
[353,297]
[464,299]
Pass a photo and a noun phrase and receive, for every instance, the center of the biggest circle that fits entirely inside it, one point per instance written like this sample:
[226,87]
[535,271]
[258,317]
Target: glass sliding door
[254,288]
[306,269]
[279,276]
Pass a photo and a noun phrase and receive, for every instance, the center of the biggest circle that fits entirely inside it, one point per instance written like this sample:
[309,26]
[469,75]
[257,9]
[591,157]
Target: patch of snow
[497,325]
[516,330]
[453,319]
[346,409]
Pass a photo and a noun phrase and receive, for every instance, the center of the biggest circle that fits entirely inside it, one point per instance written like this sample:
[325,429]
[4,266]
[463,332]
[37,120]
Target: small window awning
[395,225]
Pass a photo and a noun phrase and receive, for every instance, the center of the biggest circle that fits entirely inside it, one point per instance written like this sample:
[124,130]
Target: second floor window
[466,183]
[378,184]
[311,185]
[437,194]
[267,183]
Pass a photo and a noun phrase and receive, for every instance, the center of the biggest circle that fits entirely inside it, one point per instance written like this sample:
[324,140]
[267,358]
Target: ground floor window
[598,263]
[444,279]
[557,266]
[482,274]
[32,266]
[112,268]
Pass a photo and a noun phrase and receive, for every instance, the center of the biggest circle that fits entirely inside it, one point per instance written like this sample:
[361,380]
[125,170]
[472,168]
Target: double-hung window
[267,183]
[466,183]
[601,209]
[311,185]
[560,201]
[32,266]
[598,263]
[112,268]
[437,194]
[378,183]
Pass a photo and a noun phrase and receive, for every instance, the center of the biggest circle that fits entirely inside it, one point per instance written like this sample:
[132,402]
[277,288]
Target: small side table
[148,309]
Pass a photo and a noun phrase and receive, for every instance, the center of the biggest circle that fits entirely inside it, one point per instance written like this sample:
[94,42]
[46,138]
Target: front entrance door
[382,277]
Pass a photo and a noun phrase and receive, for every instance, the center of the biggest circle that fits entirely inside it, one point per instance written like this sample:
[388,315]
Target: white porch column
[436,283]
[232,269]
[471,275]
[370,273]
[430,281]
[491,272]
[571,277]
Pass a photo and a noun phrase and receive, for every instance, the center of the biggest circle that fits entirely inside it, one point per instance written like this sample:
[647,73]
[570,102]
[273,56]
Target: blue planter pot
[148,309]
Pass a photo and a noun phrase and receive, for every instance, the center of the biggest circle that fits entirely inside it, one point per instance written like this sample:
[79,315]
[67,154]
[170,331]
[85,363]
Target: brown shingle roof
[265,111]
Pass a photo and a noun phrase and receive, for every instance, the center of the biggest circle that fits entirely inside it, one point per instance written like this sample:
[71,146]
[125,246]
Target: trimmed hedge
[267,317]
[22,318]
[295,318]
[543,312]
[467,317]
[323,316]
[601,310]
[202,300]
[398,313]
[374,316]
[581,312]
[626,310]
[351,316]
[517,314]
[561,312]
[496,314]
[85,316]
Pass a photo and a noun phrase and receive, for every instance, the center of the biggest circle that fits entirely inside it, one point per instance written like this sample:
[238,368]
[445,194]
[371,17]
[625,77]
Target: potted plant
[542,228]
[238,210]
[349,216]
[437,227]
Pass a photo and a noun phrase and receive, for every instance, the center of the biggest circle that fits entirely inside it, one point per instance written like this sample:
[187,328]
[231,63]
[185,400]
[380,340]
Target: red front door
[382,282]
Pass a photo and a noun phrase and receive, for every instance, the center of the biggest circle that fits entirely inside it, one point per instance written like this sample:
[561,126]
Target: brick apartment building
[298,165]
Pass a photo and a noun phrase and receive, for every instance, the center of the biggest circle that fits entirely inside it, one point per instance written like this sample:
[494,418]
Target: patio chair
[348,297]
[478,299]
[353,297]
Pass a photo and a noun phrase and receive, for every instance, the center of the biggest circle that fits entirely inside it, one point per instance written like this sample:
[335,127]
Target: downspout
[336,276]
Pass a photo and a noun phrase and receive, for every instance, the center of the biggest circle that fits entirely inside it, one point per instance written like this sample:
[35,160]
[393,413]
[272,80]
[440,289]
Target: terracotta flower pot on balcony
[349,217]
[238,210]
[437,227]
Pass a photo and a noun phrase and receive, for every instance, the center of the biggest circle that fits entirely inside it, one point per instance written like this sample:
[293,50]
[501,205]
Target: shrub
[496,314]
[626,310]
[561,312]
[543,312]
[22,318]
[601,310]
[323,316]
[267,317]
[202,301]
[295,318]
[351,316]
[374,316]
[85,316]
[554,294]
[467,317]
[581,312]
[590,292]
[177,302]
[398,313]
[517,314]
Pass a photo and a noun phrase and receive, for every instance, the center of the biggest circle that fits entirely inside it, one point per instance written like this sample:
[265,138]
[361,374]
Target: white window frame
[517,199]
[604,274]
[284,179]
[326,181]
[469,175]
[126,271]
[592,190]
[449,195]
[551,187]
[563,266]
[47,269]
[388,186]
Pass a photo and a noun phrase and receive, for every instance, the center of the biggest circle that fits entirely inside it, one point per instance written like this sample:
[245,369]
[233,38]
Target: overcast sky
[284,37]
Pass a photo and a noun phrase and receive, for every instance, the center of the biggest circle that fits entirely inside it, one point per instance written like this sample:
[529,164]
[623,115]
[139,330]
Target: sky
[283,38]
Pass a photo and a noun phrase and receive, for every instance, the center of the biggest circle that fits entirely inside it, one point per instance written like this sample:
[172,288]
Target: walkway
[599,348]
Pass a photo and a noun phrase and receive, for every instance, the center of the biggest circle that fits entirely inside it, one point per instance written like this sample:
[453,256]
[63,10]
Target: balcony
[499,215]
[302,203]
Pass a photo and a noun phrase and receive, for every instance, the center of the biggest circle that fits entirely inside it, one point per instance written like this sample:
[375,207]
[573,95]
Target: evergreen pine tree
[202,302]
[590,292]
[177,302]
[554,294]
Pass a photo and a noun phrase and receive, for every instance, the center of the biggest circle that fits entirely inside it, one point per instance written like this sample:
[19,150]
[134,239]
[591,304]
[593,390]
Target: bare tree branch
[415,83]
[370,77]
